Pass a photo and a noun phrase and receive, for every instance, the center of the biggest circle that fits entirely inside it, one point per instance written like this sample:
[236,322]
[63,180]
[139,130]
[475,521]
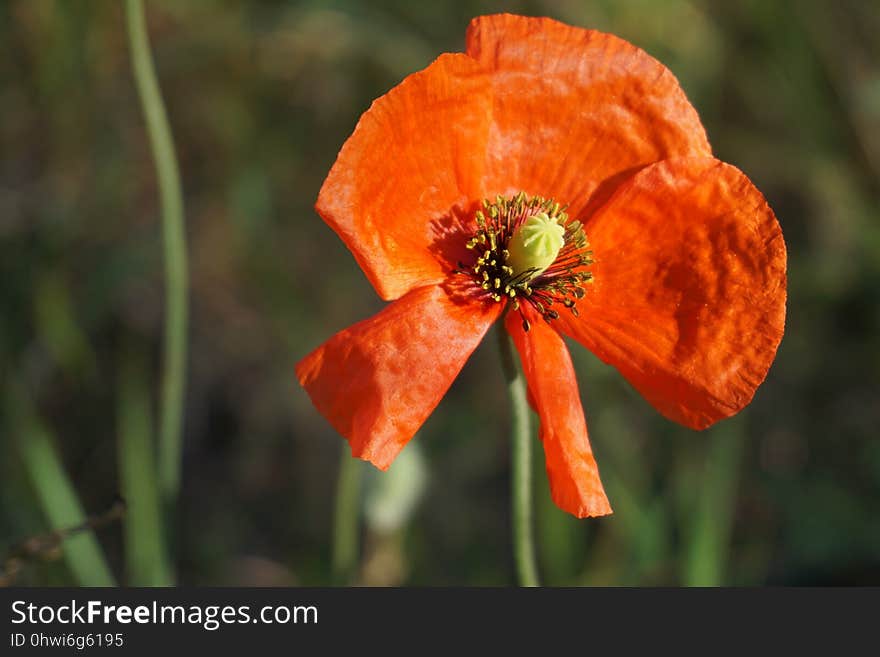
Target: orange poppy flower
[608,221]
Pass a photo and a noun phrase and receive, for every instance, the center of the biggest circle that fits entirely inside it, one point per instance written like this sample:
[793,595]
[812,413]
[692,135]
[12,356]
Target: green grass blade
[55,491]
[145,556]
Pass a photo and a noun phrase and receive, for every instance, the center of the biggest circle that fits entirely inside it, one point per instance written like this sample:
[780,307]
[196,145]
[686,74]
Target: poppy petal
[414,156]
[688,298]
[576,111]
[553,393]
[379,380]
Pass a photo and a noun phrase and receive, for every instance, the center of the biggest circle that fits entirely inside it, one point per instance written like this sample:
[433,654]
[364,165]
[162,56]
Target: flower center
[535,244]
[527,250]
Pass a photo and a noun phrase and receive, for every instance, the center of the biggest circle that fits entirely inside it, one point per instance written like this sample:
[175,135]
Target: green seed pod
[535,245]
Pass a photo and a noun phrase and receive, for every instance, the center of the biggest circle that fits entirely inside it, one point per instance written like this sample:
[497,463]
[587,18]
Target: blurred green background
[261,95]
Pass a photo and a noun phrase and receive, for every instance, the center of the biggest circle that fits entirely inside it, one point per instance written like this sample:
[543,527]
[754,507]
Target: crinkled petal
[379,380]
[688,300]
[416,155]
[576,111]
[553,393]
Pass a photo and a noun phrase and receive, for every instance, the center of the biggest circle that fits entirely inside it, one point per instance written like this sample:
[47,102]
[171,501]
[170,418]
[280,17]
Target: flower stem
[712,517]
[345,524]
[174,238]
[521,463]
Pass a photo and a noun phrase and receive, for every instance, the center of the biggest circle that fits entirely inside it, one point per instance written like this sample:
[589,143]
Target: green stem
[174,238]
[521,463]
[145,557]
[346,523]
[712,519]
[56,492]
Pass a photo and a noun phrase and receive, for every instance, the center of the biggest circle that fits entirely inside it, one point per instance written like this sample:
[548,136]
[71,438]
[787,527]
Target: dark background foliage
[261,95]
